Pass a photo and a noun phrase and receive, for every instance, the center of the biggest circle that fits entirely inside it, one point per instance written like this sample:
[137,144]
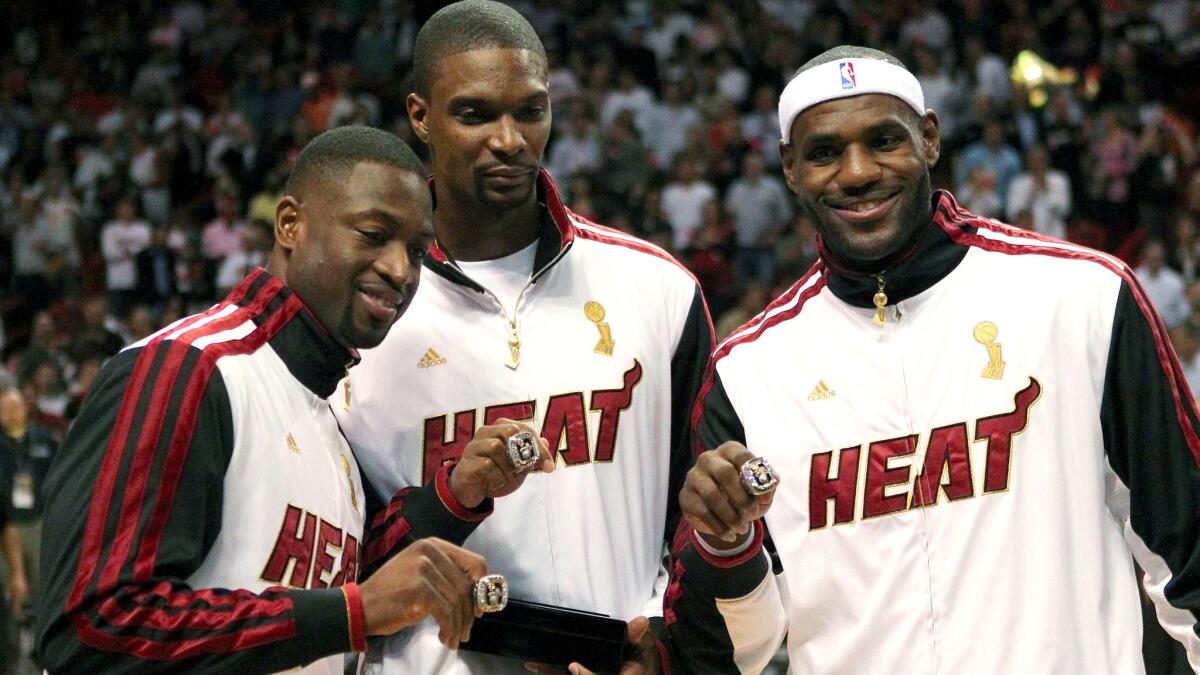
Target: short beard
[915,213]
[481,196]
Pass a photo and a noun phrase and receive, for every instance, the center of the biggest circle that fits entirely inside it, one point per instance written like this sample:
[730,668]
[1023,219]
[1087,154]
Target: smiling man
[205,513]
[974,426]
[528,312]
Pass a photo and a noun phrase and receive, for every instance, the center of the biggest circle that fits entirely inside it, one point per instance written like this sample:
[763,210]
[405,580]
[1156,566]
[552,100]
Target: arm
[724,605]
[459,498]
[10,541]
[1152,442]
[122,533]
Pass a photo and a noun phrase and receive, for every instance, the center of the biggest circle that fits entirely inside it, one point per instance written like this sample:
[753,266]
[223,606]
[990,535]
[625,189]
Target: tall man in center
[531,313]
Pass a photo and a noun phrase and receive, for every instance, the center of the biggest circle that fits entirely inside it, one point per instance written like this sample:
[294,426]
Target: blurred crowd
[144,145]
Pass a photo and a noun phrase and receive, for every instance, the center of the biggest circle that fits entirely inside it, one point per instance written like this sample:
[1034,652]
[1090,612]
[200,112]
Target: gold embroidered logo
[594,312]
[350,480]
[821,392]
[985,334]
[292,444]
[430,359]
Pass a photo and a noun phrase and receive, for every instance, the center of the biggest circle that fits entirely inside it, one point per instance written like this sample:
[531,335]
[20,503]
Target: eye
[821,154]
[470,116]
[532,113]
[371,236]
[888,142]
[418,252]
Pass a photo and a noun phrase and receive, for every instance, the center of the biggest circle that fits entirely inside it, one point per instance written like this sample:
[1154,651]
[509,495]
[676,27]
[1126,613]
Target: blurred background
[143,146]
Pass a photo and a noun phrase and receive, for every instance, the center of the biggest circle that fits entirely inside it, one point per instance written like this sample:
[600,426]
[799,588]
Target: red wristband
[356,620]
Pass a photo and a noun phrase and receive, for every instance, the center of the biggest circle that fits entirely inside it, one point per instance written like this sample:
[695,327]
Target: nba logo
[847,70]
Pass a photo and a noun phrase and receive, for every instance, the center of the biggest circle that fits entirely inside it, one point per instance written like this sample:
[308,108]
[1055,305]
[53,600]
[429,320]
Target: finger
[637,629]
[459,587]
[469,562]
[717,501]
[698,515]
[734,452]
[578,669]
[547,464]
[440,608]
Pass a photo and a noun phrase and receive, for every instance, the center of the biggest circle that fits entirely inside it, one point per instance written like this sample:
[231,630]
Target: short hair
[334,154]
[466,26]
[842,52]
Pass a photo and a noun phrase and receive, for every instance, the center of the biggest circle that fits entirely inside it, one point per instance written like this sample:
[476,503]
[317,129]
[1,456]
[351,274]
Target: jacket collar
[927,261]
[557,234]
[305,346]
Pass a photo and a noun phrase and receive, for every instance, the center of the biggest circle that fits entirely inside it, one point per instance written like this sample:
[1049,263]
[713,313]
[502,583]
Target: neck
[475,231]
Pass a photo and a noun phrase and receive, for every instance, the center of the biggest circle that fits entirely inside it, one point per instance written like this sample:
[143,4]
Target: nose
[507,138]
[858,168]
[395,265]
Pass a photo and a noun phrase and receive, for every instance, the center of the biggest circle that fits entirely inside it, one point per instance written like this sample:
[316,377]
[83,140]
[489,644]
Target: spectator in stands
[257,239]
[223,234]
[25,454]
[156,271]
[752,300]
[993,154]
[626,165]
[1163,285]
[683,200]
[579,149]
[1044,192]
[761,208]
[121,240]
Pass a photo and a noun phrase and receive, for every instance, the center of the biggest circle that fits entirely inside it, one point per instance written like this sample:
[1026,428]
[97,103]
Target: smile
[381,306]
[863,210]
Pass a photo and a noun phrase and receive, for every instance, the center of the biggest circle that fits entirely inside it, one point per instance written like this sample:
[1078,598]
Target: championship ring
[758,476]
[491,593]
[522,451]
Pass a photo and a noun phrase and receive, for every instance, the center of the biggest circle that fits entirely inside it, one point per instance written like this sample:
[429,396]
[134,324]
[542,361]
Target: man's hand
[18,593]
[430,577]
[645,659]
[484,470]
[715,503]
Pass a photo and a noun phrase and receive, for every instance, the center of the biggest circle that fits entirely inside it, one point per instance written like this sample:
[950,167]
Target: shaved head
[467,26]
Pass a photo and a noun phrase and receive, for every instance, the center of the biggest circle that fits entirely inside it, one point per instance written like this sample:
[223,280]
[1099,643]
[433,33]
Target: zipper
[514,333]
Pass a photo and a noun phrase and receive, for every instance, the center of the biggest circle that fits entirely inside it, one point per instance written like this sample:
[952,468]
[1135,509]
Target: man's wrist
[726,549]
[456,488]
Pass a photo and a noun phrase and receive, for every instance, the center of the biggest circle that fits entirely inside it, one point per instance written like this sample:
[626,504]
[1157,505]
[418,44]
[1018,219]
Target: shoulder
[626,249]
[782,310]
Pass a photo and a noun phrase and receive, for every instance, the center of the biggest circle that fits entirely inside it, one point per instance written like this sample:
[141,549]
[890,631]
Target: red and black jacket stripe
[134,501]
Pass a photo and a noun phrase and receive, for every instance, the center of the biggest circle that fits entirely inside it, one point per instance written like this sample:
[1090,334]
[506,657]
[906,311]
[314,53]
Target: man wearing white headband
[973,427]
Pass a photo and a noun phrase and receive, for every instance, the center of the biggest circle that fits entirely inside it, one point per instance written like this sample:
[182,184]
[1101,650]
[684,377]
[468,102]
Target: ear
[788,153]
[418,116]
[931,139]
[289,223]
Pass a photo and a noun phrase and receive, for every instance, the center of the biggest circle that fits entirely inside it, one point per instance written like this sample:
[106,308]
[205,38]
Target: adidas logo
[821,392]
[431,358]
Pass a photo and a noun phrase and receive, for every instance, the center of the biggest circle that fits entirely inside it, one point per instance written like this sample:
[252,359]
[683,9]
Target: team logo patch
[985,334]
[594,312]
[846,68]
[430,359]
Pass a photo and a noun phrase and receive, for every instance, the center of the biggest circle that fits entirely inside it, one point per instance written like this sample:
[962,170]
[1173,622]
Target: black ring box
[556,636]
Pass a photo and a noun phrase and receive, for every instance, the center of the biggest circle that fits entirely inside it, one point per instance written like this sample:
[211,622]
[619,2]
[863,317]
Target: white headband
[843,78]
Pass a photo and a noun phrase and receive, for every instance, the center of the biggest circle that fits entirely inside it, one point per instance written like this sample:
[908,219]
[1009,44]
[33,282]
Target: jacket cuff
[442,482]
[727,577]
[356,618]
[323,625]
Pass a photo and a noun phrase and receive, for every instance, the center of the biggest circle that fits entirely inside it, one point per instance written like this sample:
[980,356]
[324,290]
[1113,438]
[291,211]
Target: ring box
[557,636]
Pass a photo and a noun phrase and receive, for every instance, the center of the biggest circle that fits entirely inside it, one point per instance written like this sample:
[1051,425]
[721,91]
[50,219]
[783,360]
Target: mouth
[382,305]
[863,210]
[508,175]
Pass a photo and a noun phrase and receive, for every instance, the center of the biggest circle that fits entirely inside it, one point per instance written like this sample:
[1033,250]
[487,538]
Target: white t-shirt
[505,277]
